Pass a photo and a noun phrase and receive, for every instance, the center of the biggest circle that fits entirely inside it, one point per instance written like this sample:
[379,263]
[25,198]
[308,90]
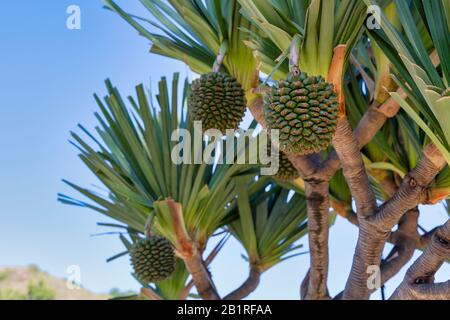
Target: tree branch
[201,277]
[375,228]
[370,241]
[247,287]
[354,170]
[318,209]
[409,194]
[419,279]
[405,239]
[191,256]
[212,255]
[369,124]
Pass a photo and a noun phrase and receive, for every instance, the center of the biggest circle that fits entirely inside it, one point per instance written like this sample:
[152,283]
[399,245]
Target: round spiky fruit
[286,170]
[305,109]
[218,101]
[153,259]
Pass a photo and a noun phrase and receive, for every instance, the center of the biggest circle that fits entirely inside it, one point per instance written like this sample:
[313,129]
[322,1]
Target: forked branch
[419,279]
[415,183]
[375,228]
[353,167]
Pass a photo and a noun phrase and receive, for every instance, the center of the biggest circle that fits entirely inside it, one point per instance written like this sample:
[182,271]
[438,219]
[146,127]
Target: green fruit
[305,110]
[286,170]
[153,259]
[218,101]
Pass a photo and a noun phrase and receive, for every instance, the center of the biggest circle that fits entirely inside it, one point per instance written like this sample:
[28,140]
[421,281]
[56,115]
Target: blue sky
[47,77]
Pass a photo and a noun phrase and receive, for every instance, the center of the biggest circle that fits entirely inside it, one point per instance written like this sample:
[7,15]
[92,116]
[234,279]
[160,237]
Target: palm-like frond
[194,31]
[270,222]
[426,85]
[133,161]
[322,25]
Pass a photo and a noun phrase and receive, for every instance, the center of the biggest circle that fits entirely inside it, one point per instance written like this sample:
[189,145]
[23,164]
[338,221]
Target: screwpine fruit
[305,110]
[218,101]
[153,259]
[286,170]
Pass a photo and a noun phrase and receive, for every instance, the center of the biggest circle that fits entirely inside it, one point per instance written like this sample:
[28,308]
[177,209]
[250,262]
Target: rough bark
[370,123]
[318,210]
[247,287]
[375,228]
[405,239]
[201,277]
[354,171]
[374,225]
[410,192]
[419,279]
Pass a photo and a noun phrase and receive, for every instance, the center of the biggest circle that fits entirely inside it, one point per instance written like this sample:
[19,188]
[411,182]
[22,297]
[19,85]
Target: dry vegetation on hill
[31,283]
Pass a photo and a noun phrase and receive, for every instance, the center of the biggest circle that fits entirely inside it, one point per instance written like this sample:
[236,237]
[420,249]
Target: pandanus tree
[362,112]
[153,199]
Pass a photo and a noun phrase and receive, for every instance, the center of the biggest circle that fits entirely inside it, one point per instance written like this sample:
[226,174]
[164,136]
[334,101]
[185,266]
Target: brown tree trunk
[201,278]
[317,200]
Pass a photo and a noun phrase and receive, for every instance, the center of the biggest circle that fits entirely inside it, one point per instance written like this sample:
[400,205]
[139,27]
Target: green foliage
[39,291]
[131,155]
[270,222]
[134,163]
[322,24]
[10,294]
[194,32]
[35,291]
[427,103]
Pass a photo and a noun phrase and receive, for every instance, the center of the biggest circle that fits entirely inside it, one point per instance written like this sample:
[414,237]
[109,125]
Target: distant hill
[30,283]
